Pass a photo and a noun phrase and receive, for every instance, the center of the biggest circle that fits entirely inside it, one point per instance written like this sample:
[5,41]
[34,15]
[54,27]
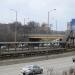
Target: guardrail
[28,48]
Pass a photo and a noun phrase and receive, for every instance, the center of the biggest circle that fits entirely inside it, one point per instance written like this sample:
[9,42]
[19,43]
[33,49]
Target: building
[71,25]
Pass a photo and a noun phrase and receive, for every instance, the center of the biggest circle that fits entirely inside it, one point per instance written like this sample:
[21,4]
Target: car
[73,59]
[32,70]
[3,47]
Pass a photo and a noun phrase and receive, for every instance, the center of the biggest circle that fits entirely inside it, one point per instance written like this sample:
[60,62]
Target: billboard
[73,25]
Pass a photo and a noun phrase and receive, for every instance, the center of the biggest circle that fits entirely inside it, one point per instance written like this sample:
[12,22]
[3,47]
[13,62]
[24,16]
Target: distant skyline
[37,10]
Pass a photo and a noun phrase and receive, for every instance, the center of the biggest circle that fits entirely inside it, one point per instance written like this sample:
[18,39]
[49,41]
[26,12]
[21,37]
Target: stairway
[67,36]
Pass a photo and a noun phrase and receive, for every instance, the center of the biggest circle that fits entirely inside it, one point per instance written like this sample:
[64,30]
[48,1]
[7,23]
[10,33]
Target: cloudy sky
[37,10]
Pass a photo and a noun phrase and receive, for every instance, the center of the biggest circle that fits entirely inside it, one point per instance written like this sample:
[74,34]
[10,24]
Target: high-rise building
[71,25]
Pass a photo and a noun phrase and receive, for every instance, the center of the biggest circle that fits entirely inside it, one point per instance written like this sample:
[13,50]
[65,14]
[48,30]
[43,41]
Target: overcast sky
[37,10]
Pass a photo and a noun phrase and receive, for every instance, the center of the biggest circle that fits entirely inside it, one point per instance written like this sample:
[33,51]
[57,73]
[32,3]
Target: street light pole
[50,24]
[16,24]
[56,26]
[49,17]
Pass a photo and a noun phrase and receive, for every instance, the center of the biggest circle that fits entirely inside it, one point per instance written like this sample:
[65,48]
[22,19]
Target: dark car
[73,59]
[32,70]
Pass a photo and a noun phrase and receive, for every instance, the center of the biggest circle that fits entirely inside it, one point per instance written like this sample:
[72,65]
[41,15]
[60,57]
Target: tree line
[7,31]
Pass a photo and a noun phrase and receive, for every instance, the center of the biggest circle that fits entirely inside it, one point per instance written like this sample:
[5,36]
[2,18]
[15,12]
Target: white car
[3,47]
[31,70]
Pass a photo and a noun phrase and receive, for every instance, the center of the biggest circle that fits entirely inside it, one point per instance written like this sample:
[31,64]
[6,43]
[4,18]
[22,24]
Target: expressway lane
[57,64]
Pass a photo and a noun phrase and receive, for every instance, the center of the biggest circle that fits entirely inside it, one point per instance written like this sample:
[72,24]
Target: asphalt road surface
[58,64]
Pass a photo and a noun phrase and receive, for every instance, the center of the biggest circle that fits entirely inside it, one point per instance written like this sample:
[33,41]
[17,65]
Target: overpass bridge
[37,37]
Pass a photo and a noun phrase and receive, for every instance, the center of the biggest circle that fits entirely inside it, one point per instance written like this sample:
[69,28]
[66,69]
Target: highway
[58,64]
